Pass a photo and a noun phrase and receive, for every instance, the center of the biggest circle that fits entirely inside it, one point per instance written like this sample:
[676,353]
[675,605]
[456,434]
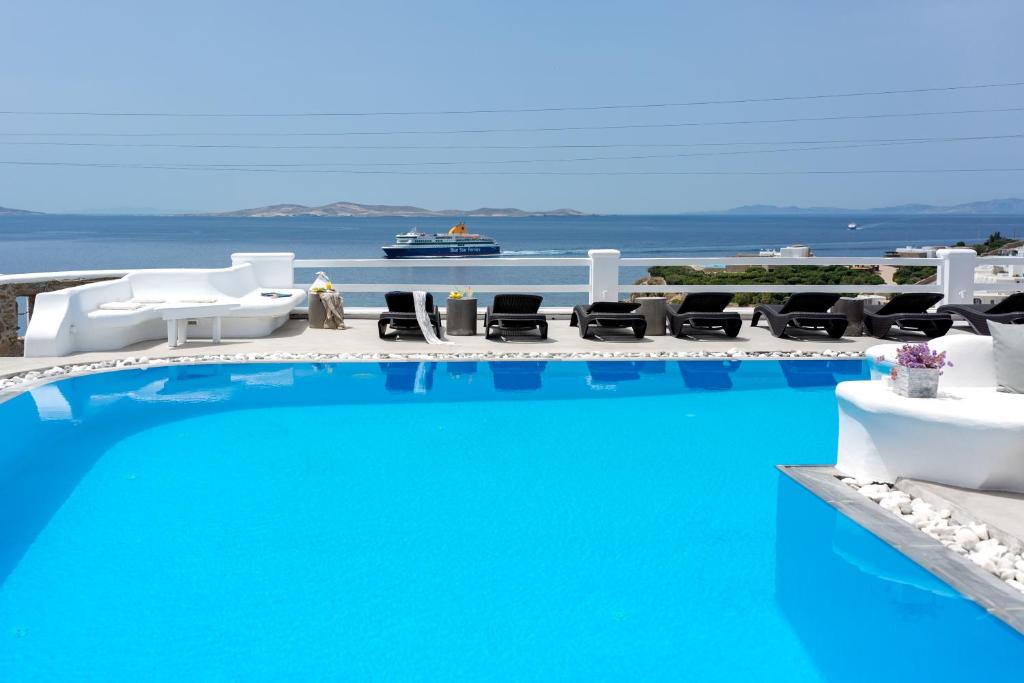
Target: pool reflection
[458,369]
[708,374]
[402,377]
[517,376]
[804,373]
[612,371]
[862,609]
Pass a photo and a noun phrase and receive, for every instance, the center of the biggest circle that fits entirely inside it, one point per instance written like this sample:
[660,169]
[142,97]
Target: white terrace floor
[361,338]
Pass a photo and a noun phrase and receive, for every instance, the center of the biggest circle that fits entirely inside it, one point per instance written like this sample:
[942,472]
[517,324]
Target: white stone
[874,492]
[966,537]
[981,530]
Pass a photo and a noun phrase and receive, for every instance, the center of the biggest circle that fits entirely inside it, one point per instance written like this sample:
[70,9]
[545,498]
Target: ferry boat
[456,242]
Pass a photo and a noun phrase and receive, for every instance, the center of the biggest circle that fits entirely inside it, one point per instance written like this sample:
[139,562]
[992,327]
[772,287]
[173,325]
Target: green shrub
[782,275]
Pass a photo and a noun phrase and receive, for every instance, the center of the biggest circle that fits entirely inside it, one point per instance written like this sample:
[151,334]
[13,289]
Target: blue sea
[68,242]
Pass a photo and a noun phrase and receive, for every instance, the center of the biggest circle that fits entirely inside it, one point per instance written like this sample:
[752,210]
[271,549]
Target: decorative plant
[321,284]
[919,356]
[466,293]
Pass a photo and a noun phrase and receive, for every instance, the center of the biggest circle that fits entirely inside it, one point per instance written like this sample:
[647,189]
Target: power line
[599,107]
[128,145]
[490,162]
[889,171]
[553,129]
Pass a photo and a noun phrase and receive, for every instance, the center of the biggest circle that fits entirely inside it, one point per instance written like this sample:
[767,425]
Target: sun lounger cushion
[1008,351]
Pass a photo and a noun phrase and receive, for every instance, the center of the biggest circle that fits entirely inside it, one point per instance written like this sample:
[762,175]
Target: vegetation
[781,275]
[995,241]
[799,275]
[908,275]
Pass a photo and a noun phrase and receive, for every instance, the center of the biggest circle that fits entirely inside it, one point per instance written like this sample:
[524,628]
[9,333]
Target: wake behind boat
[456,242]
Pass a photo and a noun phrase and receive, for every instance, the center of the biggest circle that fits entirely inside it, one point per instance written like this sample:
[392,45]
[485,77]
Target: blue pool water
[454,521]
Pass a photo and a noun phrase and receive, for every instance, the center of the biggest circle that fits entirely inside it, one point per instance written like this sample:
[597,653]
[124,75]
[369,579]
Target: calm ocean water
[57,242]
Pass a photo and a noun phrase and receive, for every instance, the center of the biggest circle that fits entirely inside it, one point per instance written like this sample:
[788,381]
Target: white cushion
[1008,356]
[121,306]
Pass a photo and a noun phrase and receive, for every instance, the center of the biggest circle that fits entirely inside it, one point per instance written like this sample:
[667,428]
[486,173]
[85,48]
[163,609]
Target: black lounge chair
[805,311]
[1010,310]
[908,311]
[704,311]
[515,314]
[401,314]
[613,314]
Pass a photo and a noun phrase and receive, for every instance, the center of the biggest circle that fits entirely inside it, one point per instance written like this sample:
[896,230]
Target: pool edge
[16,383]
[971,581]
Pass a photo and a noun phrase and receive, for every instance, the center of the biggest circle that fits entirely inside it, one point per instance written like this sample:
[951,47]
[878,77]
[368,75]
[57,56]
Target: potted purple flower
[917,370]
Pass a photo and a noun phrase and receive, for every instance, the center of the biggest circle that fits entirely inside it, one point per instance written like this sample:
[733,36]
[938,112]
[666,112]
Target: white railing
[603,280]
[460,262]
[715,263]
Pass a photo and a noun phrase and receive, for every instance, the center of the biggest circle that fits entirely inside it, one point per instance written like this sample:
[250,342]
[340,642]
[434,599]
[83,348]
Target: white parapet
[604,274]
[956,275]
[273,269]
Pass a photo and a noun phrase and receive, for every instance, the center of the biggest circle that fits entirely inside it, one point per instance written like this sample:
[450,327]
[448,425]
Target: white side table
[177,317]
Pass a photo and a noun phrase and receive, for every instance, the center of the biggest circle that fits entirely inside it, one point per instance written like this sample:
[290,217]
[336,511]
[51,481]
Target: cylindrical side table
[654,308]
[853,309]
[318,313]
[461,318]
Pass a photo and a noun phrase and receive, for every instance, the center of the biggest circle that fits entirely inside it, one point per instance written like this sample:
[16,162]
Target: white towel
[120,306]
[419,302]
[143,300]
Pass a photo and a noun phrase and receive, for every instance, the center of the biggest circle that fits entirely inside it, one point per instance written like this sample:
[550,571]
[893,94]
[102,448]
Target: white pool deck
[361,337]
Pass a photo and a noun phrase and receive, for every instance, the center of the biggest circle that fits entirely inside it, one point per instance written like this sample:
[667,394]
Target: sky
[339,57]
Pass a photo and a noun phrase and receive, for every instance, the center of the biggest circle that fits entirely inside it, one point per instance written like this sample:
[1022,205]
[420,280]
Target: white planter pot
[916,382]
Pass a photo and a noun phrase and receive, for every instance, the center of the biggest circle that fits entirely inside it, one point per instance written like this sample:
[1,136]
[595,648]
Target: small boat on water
[851,226]
[456,242]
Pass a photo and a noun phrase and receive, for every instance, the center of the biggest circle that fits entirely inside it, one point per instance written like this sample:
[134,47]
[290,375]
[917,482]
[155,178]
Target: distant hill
[1011,206]
[4,211]
[370,210]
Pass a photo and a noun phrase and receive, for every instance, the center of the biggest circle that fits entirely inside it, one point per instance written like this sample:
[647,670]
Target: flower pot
[916,382]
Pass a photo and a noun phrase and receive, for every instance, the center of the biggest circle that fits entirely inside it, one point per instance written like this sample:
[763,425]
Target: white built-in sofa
[106,316]
[971,436]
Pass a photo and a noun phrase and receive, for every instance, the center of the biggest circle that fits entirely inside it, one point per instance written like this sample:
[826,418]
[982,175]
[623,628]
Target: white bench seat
[72,320]
[971,436]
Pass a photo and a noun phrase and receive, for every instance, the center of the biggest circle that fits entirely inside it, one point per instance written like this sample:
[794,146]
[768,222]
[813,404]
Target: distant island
[1010,206]
[4,211]
[351,209]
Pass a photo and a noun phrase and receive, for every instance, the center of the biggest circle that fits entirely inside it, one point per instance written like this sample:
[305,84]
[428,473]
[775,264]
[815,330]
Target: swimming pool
[479,521]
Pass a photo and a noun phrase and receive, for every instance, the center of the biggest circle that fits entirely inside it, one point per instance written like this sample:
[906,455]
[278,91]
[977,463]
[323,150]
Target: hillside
[1009,206]
[351,209]
[4,211]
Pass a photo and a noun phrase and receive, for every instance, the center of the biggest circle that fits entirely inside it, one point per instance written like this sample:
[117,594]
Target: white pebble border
[25,379]
[970,540]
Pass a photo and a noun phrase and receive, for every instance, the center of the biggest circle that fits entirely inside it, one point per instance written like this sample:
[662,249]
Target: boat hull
[441,250]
